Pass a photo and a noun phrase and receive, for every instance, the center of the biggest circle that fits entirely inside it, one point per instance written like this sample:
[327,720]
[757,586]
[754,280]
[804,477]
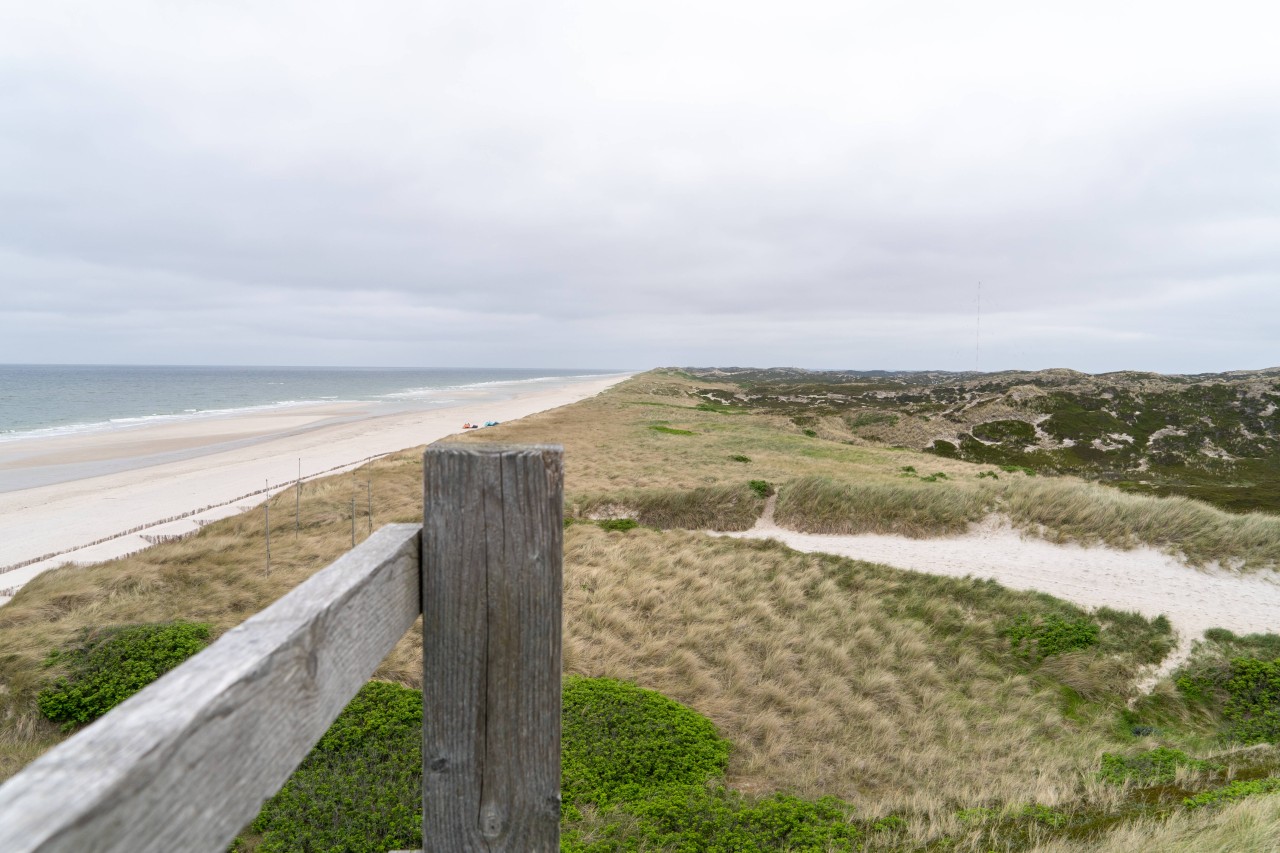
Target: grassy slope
[890,689]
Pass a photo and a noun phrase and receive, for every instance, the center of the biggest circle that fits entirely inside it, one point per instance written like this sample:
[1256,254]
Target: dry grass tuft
[1248,826]
[829,676]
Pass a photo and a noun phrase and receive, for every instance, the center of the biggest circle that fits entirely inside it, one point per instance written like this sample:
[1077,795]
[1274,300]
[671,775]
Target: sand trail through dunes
[1142,579]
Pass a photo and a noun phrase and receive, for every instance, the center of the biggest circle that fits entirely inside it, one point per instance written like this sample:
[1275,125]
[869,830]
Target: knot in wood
[491,823]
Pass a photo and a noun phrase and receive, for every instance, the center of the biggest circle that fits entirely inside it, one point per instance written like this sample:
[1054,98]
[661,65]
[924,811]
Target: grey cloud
[629,186]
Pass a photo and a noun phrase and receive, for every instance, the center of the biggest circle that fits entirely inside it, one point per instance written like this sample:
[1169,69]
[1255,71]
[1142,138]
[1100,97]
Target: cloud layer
[596,184]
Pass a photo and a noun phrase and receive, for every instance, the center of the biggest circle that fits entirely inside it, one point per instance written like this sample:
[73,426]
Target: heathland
[813,702]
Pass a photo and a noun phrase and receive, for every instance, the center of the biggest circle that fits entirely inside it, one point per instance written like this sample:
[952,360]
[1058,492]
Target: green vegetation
[1252,710]
[108,666]
[1157,766]
[866,706]
[1215,438]
[619,524]
[360,788]
[719,820]
[642,768]
[1037,637]
[666,430]
[762,488]
[622,742]
[1236,681]
[1235,791]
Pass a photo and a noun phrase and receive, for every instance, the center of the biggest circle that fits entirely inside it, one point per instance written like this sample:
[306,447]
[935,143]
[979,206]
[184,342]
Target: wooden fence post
[492,551]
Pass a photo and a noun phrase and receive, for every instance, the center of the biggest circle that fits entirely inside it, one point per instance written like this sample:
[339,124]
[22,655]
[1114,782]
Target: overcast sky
[610,184]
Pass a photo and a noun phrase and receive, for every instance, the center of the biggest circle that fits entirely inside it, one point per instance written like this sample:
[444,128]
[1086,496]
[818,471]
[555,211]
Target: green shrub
[1154,767]
[1235,791]
[908,470]
[718,820]
[761,488]
[1253,711]
[738,457]
[1050,634]
[622,742]
[934,477]
[992,474]
[1011,431]
[943,448]
[641,765]
[622,524]
[1013,469]
[109,666]
[811,433]
[360,788]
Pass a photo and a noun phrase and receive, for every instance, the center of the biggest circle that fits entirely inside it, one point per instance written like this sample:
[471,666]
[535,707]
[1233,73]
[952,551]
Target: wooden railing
[187,763]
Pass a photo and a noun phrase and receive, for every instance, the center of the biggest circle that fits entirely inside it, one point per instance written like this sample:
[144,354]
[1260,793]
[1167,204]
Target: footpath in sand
[1142,579]
[98,518]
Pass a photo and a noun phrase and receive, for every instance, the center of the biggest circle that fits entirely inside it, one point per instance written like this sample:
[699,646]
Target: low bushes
[110,665]
[1154,767]
[1235,791]
[1237,679]
[1253,710]
[622,742]
[1037,637]
[719,820]
[639,772]
[360,788]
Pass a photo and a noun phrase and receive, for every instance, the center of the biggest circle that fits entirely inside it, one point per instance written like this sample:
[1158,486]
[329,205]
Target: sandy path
[66,519]
[1143,579]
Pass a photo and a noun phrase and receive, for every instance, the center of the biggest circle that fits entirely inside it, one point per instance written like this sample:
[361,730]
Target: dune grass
[820,504]
[837,483]
[218,576]
[896,692]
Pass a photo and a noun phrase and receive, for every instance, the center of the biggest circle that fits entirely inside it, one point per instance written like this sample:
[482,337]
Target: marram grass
[893,691]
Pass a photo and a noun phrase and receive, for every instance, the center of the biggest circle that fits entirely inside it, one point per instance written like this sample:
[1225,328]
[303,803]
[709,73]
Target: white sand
[1142,579]
[58,523]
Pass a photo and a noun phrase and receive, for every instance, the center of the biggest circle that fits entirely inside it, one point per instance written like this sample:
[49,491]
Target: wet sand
[123,486]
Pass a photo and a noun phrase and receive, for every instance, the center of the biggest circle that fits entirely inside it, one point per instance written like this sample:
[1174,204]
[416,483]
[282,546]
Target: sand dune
[1142,579]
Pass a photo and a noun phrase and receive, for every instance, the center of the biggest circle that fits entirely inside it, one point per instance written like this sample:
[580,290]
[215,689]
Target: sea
[50,400]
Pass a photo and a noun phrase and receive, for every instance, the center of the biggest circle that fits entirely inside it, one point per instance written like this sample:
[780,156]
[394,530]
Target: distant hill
[1213,436]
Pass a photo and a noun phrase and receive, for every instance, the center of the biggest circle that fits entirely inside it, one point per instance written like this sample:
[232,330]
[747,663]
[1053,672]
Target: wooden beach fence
[187,763]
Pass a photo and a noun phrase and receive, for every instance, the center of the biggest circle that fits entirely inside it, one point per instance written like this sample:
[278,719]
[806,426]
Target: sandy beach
[166,480]
[1142,579]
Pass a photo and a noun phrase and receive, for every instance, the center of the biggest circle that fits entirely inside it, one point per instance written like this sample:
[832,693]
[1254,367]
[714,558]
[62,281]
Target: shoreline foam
[97,518]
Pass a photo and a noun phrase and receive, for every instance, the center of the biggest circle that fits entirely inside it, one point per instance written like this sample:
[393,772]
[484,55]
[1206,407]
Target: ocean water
[44,400]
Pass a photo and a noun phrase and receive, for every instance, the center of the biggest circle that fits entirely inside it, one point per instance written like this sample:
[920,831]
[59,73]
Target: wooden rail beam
[187,762]
[492,557]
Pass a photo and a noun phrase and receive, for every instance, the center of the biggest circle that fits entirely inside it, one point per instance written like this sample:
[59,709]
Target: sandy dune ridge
[1142,579]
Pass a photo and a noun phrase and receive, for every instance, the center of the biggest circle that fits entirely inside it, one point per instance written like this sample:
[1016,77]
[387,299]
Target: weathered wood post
[492,549]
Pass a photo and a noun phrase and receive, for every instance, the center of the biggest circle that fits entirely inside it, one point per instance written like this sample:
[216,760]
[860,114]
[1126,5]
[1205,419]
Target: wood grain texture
[186,763]
[492,558]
